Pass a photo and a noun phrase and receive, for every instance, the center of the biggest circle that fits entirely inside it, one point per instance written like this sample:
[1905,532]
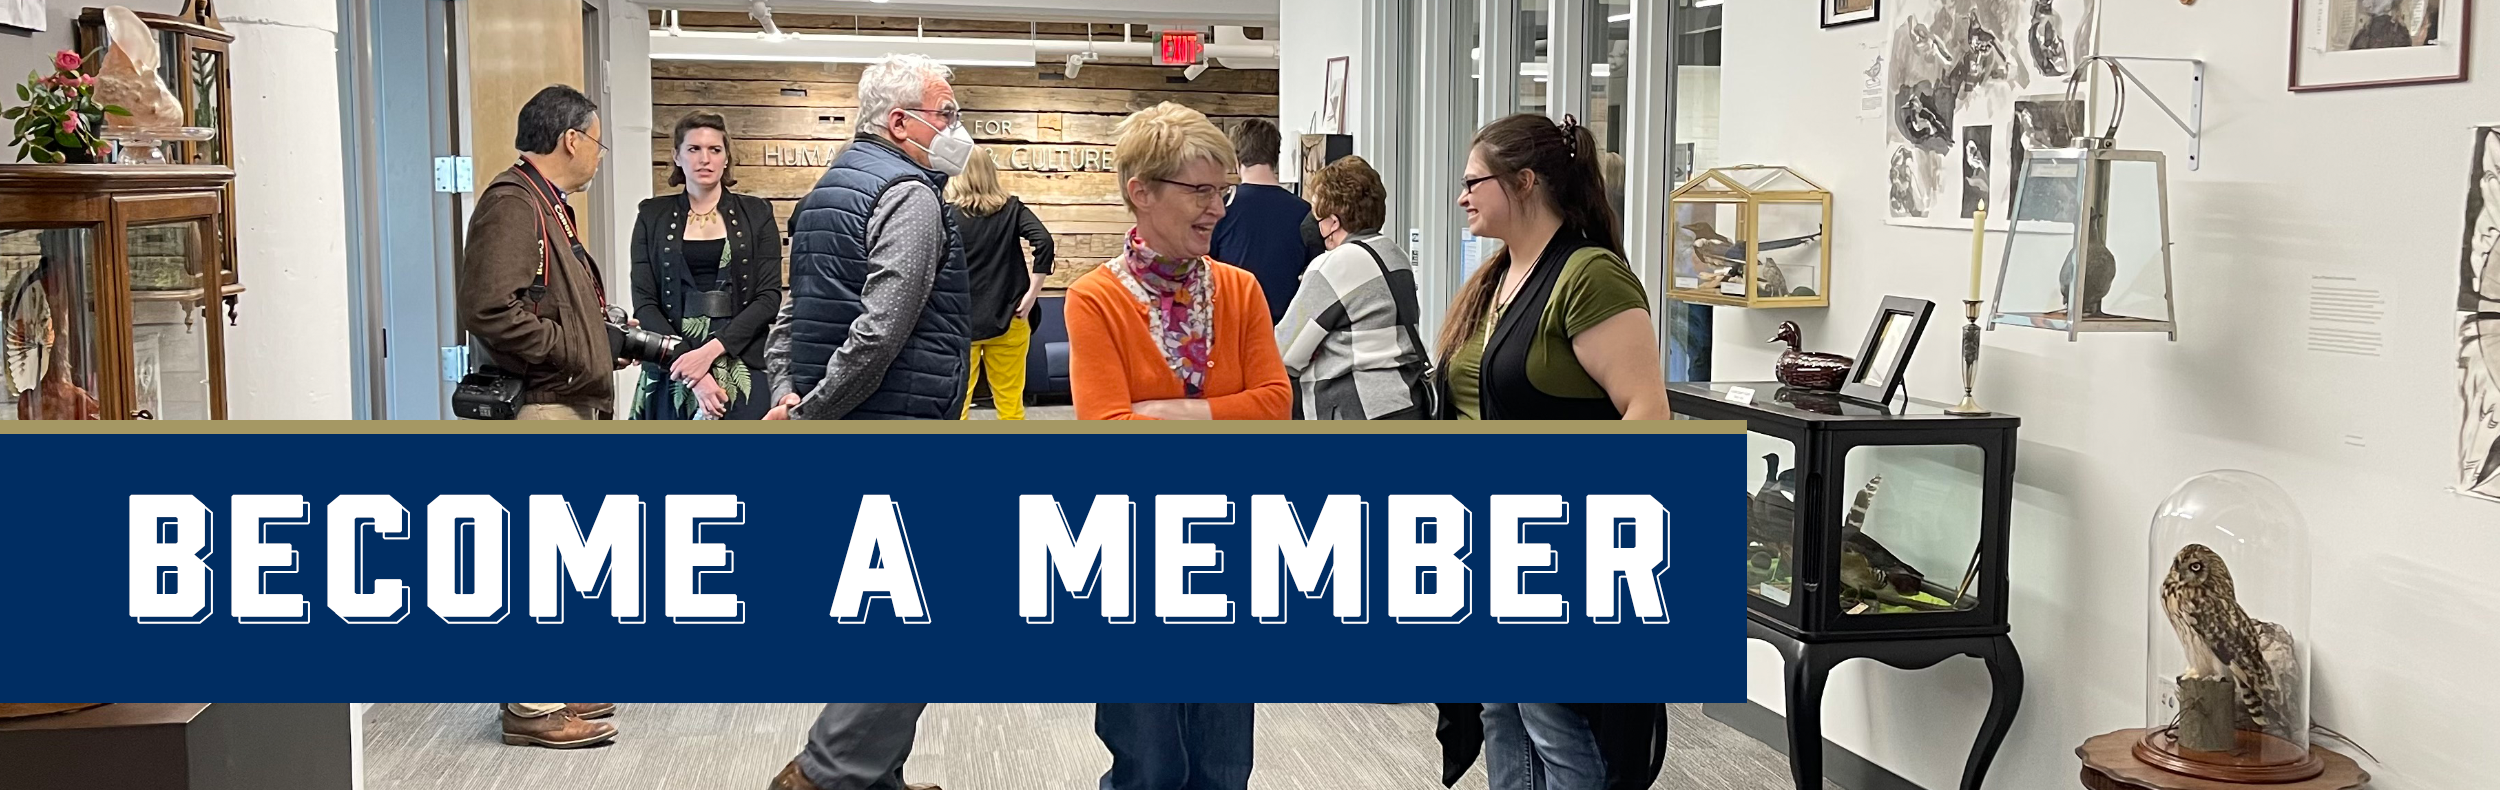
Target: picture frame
[2354,44]
[27,15]
[1843,13]
[1332,96]
[1885,353]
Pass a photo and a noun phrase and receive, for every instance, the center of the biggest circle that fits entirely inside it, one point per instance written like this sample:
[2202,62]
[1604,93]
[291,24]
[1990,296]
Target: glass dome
[2226,691]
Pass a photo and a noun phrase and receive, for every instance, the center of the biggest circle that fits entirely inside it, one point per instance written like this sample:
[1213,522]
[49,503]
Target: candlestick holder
[1969,407]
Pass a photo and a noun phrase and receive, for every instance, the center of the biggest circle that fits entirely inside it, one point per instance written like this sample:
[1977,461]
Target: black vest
[829,267]
[1504,391]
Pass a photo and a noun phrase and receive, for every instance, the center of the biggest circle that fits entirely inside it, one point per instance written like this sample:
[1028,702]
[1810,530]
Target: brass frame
[1748,222]
[107,200]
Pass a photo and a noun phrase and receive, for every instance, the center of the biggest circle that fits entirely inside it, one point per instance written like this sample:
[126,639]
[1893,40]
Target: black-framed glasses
[1203,192]
[1467,186]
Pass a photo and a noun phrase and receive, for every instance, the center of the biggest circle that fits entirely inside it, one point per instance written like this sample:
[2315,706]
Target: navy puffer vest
[828,267]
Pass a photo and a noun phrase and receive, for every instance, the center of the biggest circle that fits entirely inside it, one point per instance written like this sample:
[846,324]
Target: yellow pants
[1003,356]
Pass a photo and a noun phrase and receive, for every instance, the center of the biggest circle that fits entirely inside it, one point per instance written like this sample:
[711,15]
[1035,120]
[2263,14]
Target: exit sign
[1180,48]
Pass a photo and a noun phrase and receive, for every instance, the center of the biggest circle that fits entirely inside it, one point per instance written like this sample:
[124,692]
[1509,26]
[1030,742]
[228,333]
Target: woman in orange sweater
[1163,332]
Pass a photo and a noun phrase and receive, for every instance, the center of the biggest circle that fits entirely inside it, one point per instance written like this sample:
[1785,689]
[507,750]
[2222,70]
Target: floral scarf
[1179,305]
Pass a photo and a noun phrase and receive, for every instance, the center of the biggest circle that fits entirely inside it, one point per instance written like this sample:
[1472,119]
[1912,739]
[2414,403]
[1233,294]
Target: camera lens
[638,344]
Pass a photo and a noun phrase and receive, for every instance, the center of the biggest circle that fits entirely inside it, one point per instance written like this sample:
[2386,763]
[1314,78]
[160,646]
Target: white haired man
[880,296]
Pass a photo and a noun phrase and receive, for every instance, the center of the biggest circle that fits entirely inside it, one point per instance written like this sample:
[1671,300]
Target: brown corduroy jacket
[558,344]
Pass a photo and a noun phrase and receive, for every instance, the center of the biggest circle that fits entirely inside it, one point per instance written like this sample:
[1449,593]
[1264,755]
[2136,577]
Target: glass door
[173,313]
[50,335]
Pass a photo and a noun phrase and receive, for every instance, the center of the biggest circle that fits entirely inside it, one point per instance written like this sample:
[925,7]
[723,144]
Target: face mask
[952,151]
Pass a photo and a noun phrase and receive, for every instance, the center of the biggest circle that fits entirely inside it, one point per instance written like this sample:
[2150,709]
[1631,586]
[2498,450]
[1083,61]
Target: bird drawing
[2048,46]
[2222,641]
[1814,370]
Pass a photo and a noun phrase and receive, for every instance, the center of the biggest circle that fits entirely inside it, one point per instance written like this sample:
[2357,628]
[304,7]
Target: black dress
[726,289]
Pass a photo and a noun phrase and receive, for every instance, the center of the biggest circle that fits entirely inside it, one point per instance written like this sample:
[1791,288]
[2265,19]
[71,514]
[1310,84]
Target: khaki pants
[532,710]
[554,411]
[1003,356]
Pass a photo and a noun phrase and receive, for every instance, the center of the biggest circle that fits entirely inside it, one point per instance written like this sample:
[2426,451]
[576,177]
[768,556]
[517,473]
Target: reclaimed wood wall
[1050,136]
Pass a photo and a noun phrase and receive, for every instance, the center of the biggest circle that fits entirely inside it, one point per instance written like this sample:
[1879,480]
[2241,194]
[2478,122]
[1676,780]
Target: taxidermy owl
[2222,641]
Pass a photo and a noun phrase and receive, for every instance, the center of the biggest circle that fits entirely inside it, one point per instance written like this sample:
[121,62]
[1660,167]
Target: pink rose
[67,61]
[86,80]
[69,123]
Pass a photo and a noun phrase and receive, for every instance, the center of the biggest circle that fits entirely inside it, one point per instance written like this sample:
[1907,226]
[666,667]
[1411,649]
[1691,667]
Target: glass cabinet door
[1910,537]
[48,328]
[208,108]
[1771,480]
[171,293]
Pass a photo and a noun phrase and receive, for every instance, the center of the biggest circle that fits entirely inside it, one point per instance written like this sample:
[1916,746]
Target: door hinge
[455,363]
[455,174]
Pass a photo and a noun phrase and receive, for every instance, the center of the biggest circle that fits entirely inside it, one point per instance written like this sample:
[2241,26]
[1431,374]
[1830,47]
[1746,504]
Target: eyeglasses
[1204,192]
[1468,186]
[603,144]
[949,115]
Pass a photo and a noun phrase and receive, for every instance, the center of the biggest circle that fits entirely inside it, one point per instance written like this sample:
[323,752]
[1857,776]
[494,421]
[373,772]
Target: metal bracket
[2194,124]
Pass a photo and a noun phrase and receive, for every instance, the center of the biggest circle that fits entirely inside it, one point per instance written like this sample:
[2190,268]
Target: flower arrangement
[61,120]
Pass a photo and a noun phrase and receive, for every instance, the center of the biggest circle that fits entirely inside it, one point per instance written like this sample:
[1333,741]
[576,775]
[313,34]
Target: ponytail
[1565,158]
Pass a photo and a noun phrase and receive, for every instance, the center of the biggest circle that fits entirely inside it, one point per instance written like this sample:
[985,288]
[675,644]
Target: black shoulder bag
[1425,389]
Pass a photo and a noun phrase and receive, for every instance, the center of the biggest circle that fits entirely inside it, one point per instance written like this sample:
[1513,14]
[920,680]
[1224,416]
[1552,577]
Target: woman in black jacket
[707,268]
[1004,286]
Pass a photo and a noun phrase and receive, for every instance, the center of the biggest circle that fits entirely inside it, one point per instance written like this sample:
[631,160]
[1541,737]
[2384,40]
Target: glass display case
[2226,692]
[114,277]
[194,61]
[1751,236]
[1863,520]
[2090,245]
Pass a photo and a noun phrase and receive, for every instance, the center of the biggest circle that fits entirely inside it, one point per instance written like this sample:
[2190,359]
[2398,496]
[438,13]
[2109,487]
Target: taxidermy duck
[1814,370]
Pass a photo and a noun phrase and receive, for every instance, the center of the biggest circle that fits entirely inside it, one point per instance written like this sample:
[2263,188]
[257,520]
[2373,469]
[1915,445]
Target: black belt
[714,304]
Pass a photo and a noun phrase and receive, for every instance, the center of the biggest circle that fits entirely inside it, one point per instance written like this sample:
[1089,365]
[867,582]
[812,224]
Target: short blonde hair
[1159,141]
[977,191]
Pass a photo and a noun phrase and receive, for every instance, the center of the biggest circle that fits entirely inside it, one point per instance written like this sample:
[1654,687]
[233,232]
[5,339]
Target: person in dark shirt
[1262,226]
[996,226]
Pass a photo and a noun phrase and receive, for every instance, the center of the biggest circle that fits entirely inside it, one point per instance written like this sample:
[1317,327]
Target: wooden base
[2111,762]
[2250,757]
[14,710]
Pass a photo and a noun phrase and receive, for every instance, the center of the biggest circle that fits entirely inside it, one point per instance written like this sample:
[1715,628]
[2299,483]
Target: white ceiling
[1203,12]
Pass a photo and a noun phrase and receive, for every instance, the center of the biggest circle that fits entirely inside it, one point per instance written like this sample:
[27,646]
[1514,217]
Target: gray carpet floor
[682,746]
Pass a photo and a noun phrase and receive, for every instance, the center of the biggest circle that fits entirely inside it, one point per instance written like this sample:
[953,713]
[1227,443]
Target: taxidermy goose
[1814,370]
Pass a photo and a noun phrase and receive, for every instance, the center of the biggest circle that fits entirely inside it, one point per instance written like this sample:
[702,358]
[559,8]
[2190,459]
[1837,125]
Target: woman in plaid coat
[1349,339]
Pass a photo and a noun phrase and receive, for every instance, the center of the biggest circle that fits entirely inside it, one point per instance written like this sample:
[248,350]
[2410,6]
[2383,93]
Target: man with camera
[528,290]
[880,298]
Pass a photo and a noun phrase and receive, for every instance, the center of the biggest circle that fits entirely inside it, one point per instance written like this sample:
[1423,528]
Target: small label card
[1742,396]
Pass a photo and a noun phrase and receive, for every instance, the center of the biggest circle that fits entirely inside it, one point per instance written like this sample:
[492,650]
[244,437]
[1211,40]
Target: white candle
[1978,246]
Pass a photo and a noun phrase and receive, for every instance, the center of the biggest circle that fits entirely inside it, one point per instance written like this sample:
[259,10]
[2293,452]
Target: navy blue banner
[951,567]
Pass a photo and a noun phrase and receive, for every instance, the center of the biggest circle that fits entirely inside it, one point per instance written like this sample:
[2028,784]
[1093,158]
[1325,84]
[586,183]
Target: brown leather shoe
[591,710]
[557,730]
[791,779]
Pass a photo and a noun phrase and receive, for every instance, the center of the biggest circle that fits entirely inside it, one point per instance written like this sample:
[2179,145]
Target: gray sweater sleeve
[906,245]
[777,353]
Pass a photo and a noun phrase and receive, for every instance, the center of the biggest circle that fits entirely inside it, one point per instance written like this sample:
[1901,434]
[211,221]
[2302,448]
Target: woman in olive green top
[1555,326]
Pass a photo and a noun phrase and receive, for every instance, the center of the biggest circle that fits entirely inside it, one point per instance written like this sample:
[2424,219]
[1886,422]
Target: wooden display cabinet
[113,276]
[195,61]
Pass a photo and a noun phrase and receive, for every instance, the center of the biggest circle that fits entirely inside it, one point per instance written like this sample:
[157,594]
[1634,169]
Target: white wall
[1314,31]
[288,359]
[2365,183]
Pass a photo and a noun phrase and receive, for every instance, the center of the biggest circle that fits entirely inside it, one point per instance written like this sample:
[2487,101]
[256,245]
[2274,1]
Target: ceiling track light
[763,15]
[1195,69]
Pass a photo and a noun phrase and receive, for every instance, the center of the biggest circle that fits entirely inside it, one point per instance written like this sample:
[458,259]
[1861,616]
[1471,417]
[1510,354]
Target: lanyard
[552,197]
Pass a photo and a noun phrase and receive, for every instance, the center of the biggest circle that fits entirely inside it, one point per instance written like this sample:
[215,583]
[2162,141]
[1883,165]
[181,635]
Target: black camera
[638,344]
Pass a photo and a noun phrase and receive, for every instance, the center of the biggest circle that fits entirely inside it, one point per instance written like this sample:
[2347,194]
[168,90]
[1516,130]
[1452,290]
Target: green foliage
[41,132]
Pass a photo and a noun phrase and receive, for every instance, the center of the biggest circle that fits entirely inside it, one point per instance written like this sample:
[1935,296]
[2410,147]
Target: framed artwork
[1885,353]
[1332,101]
[2345,44]
[1849,12]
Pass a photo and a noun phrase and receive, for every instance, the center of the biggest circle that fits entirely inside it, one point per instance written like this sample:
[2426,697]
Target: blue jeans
[1175,745]
[1540,746]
